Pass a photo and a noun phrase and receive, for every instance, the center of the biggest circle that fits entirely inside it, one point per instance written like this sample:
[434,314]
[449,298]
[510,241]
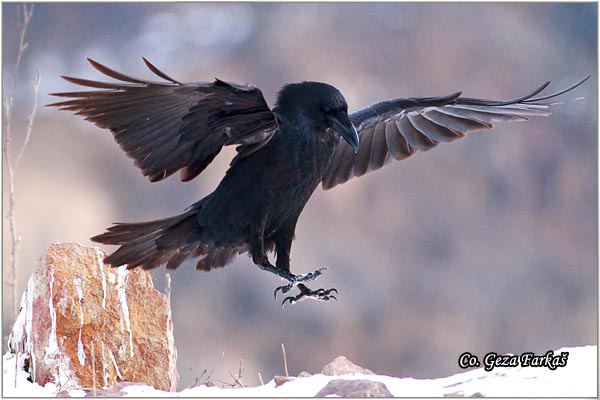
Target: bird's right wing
[170,126]
[396,129]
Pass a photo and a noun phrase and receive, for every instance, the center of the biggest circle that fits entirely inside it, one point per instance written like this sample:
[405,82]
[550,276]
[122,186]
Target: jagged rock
[354,388]
[341,366]
[84,324]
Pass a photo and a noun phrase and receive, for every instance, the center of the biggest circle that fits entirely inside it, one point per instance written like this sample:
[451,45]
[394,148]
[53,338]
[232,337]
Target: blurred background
[487,244]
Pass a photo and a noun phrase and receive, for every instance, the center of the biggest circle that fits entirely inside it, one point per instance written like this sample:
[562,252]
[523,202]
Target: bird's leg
[264,263]
[283,243]
[297,279]
[259,256]
[283,246]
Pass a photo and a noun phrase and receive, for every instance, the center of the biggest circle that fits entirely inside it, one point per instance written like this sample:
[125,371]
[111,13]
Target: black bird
[283,154]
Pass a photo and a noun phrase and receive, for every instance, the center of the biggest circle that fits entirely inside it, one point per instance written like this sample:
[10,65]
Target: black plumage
[283,154]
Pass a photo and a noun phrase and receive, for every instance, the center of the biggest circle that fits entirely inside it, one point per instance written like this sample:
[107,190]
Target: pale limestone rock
[84,324]
[341,366]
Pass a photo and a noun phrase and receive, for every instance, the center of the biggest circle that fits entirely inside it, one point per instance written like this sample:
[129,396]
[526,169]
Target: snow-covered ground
[578,378]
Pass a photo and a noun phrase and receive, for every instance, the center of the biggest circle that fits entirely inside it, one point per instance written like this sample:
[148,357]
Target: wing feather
[457,124]
[435,132]
[347,165]
[363,156]
[379,149]
[396,129]
[169,126]
[415,138]
[397,144]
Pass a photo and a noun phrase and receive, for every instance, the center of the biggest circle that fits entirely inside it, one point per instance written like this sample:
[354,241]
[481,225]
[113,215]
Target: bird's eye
[326,109]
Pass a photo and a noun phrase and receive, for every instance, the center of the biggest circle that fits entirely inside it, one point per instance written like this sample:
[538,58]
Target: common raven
[283,154]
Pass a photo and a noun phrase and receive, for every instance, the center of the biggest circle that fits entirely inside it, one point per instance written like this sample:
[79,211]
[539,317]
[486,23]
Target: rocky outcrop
[342,366]
[83,324]
[354,388]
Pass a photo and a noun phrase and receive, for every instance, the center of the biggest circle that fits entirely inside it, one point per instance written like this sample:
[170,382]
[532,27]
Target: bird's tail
[167,241]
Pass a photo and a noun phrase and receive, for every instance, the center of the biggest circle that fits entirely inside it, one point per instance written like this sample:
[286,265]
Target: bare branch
[23,21]
[27,14]
[36,88]
[237,379]
[285,367]
[262,383]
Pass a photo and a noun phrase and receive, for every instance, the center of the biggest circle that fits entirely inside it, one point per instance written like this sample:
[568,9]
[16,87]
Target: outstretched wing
[396,129]
[169,126]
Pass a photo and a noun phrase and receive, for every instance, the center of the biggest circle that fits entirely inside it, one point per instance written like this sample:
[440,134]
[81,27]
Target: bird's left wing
[169,126]
[396,129]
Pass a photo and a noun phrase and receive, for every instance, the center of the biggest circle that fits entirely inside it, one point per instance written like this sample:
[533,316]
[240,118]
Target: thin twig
[197,380]
[262,383]
[27,14]
[207,381]
[237,379]
[284,360]
[31,117]
[9,104]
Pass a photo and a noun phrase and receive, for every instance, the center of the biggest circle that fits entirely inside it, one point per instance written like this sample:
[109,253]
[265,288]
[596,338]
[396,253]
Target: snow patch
[101,267]
[52,347]
[20,336]
[15,383]
[577,379]
[80,353]
[121,286]
[104,366]
[112,358]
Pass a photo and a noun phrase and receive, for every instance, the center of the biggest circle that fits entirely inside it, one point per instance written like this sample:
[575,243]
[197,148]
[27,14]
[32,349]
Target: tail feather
[167,241]
[121,233]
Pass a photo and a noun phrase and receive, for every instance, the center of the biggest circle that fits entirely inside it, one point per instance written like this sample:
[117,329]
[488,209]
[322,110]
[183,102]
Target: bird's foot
[307,293]
[297,279]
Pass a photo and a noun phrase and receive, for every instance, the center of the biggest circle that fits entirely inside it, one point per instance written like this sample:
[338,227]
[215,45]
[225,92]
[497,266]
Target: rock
[341,366]
[280,380]
[354,388]
[85,325]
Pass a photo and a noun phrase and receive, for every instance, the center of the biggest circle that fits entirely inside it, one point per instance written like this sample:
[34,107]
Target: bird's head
[319,104]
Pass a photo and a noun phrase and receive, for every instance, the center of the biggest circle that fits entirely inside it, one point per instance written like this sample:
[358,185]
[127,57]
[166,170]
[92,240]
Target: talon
[307,293]
[313,275]
[295,280]
[277,289]
[284,289]
[291,299]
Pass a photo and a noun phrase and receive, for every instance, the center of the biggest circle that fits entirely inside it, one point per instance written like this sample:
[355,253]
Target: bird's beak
[341,124]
